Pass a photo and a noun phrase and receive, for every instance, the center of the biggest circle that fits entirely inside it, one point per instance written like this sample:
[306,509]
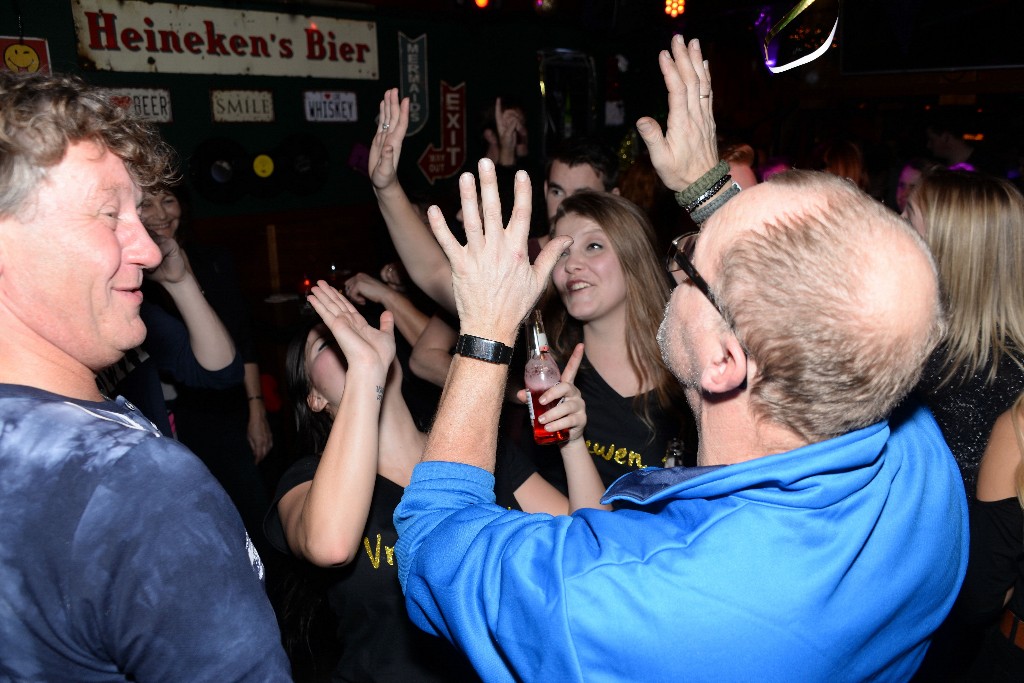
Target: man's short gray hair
[827,363]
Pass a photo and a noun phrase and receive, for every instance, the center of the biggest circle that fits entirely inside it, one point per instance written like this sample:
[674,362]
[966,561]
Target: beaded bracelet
[689,208]
[685,197]
[704,212]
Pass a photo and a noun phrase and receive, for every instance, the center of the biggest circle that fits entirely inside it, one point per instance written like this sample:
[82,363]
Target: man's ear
[316,401]
[728,369]
[615,190]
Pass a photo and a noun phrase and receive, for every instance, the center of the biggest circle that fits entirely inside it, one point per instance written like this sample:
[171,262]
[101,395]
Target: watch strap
[487,350]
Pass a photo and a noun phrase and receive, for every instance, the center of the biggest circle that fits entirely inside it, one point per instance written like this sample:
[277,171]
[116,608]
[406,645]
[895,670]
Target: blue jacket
[835,561]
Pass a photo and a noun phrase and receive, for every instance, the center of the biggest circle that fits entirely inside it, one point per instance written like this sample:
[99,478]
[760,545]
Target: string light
[674,8]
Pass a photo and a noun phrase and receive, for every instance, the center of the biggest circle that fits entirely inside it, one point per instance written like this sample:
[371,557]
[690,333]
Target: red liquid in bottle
[541,374]
[537,382]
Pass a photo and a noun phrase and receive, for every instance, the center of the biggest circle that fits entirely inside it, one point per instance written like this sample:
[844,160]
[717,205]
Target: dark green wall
[492,56]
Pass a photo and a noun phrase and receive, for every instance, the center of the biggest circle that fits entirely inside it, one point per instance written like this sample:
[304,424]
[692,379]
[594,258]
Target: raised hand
[493,282]
[511,126]
[568,409]
[386,148]
[174,266]
[361,288]
[688,148]
[363,345]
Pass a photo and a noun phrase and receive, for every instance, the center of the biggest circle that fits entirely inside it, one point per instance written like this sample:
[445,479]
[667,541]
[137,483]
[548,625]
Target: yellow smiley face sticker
[21,58]
[263,166]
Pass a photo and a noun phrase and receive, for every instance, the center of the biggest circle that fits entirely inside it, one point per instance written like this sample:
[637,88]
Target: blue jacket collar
[797,472]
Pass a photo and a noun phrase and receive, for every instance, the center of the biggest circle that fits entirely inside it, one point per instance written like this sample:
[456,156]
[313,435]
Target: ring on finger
[385,126]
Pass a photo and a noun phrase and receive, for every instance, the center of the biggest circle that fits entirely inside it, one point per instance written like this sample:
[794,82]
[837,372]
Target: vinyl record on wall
[304,164]
[220,170]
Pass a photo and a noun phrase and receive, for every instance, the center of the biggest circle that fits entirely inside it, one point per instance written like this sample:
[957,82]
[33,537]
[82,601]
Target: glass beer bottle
[541,374]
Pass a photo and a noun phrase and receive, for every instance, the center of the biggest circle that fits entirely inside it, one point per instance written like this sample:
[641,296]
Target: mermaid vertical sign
[412,58]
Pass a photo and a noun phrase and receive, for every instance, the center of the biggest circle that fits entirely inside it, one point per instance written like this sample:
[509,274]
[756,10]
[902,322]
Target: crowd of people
[794,448]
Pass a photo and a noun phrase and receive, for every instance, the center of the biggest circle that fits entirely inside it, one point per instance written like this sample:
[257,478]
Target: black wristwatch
[483,349]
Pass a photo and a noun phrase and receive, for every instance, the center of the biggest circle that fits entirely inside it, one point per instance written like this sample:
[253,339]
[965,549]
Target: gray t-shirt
[121,558]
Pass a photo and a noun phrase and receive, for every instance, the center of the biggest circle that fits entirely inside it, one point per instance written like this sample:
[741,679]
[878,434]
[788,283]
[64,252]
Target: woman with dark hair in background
[226,428]
[334,506]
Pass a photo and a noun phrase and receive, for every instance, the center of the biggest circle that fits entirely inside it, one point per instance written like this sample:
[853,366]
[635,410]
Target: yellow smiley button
[263,166]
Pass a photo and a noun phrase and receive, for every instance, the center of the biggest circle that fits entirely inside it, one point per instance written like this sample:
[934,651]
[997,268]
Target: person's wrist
[366,378]
[181,285]
[483,349]
[702,183]
[393,187]
[496,333]
[706,209]
[383,295]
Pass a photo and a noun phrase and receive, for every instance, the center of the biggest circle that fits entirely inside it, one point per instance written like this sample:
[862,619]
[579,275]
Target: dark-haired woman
[334,506]
[227,428]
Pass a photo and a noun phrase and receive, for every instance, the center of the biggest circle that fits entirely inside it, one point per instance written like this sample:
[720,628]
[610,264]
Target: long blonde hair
[975,229]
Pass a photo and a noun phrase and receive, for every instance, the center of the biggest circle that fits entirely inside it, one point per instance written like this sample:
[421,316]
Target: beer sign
[151,104]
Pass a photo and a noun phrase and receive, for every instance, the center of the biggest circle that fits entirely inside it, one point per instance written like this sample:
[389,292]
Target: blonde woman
[974,225]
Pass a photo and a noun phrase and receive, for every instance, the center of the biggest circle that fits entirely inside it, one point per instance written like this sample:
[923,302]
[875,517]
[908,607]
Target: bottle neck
[536,342]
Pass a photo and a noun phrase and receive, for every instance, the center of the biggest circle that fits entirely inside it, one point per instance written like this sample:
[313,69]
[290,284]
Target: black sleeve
[215,271]
[168,342]
[997,547]
[300,472]
[514,462]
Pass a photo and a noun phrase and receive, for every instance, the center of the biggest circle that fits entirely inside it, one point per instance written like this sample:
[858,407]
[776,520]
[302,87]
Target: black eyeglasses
[680,257]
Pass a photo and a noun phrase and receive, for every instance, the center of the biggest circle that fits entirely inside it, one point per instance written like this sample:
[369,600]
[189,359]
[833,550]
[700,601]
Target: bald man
[821,537]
